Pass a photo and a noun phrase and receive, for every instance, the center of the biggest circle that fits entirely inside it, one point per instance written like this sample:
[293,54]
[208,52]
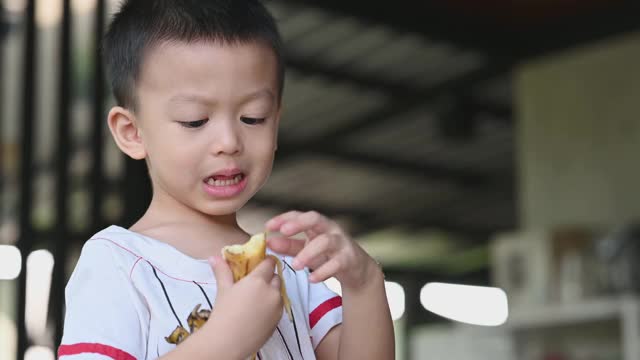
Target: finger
[277,221]
[310,221]
[329,269]
[317,262]
[222,272]
[284,245]
[264,270]
[317,247]
[310,234]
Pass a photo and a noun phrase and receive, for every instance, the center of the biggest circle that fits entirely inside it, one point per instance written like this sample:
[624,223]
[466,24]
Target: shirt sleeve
[324,308]
[105,316]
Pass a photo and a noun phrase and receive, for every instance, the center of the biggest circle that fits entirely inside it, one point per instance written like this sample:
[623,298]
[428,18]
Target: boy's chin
[223,209]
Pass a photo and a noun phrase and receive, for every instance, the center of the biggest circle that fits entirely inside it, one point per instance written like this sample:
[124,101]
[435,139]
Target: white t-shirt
[128,292]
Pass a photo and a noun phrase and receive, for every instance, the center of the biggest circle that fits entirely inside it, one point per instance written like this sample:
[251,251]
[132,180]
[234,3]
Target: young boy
[198,86]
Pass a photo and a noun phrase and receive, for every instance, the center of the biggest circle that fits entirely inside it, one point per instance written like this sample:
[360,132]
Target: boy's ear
[125,132]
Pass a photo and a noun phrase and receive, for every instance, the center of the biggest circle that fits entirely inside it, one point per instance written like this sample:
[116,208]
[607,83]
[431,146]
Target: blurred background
[486,143]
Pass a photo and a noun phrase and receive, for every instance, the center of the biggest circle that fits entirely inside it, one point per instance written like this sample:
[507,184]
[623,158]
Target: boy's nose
[226,140]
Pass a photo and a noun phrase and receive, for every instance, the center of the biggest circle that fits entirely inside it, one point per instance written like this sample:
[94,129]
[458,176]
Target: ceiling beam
[421,170]
[369,220]
[399,90]
[497,110]
[327,143]
[432,21]
[313,66]
[406,105]
[398,107]
[484,33]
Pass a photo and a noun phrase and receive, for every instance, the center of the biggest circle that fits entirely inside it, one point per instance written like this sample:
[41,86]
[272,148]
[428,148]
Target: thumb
[222,272]
[275,281]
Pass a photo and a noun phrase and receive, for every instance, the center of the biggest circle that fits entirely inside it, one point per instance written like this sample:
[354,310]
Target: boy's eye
[252,121]
[193,124]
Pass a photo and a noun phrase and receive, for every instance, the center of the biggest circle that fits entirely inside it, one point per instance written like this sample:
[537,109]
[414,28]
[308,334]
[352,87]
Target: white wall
[578,136]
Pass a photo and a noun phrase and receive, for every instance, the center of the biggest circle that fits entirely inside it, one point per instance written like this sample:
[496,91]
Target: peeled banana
[244,258]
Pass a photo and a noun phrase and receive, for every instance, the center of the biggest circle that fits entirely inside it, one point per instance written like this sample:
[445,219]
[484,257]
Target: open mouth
[221,180]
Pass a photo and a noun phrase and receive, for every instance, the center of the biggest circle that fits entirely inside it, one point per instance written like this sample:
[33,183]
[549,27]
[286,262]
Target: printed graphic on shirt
[196,319]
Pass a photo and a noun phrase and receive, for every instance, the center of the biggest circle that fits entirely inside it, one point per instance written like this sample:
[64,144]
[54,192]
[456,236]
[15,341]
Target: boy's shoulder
[111,246]
[118,241]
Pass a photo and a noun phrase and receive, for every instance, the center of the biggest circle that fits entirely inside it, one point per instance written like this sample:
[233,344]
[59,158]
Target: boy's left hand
[328,251]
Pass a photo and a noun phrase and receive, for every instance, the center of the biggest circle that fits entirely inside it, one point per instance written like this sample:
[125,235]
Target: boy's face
[207,117]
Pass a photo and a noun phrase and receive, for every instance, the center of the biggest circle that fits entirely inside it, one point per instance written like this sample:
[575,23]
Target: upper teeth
[236,179]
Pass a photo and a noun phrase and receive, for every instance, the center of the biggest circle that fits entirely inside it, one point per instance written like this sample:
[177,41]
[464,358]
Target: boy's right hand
[249,310]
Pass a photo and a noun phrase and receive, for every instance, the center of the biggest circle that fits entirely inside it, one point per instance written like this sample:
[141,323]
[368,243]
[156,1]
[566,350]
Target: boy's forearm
[204,344]
[367,320]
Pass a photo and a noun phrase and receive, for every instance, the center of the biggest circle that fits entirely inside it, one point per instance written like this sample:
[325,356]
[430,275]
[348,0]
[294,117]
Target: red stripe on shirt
[101,349]
[324,308]
[134,266]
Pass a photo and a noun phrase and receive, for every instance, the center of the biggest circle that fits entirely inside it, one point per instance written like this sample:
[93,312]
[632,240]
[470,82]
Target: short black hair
[141,24]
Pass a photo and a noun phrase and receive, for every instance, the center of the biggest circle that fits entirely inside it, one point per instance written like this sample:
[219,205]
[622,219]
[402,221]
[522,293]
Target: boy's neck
[191,232]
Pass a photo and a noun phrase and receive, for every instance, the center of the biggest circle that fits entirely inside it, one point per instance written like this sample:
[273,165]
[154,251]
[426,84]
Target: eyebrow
[259,94]
[263,93]
[190,98]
